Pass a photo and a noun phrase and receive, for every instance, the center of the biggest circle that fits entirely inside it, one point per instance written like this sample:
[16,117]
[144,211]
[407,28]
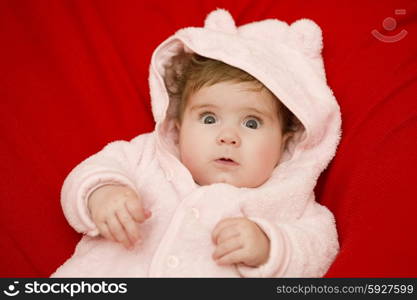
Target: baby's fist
[116,210]
[239,240]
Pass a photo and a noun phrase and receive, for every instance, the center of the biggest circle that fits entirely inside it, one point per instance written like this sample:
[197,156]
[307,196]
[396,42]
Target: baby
[231,130]
[224,185]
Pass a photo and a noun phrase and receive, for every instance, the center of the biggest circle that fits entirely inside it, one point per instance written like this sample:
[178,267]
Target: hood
[285,58]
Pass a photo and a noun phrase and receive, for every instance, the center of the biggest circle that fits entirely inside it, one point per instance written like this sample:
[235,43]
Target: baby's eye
[253,123]
[208,118]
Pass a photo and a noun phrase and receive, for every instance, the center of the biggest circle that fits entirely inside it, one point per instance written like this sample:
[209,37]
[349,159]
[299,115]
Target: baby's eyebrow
[200,106]
[262,112]
[258,111]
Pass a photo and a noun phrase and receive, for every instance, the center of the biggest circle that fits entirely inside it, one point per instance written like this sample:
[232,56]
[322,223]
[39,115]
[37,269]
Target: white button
[172,261]
[195,212]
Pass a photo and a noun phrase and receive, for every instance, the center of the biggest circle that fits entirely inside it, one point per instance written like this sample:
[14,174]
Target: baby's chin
[237,182]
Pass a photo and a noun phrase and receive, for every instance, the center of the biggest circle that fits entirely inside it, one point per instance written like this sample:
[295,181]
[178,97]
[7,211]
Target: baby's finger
[118,231]
[136,210]
[105,232]
[226,234]
[221,226]
[129,225]
[227,247]
[233,257]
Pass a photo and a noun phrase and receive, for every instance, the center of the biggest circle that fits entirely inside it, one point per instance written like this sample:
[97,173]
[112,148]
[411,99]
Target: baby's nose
[228,138]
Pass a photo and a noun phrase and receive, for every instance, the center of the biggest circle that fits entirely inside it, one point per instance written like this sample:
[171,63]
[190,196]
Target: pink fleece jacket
[177,238]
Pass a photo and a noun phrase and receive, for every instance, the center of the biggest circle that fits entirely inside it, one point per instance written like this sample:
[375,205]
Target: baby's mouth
[226,161]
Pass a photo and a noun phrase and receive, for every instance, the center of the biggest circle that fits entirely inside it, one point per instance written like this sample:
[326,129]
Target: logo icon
[11,291]
[390,24]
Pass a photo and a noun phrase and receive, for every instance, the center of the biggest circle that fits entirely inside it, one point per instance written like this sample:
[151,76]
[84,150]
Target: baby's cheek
[186,158]
[269,153]
[191,160]
[265,160]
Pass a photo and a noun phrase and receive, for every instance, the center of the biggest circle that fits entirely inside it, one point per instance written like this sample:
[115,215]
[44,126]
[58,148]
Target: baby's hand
[116,210]
[239,240]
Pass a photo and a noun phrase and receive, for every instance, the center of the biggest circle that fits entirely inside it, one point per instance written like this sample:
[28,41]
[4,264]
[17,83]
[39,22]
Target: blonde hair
[191,72]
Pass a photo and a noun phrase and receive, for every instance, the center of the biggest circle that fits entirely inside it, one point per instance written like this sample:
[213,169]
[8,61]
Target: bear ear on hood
[306,36]
[271,31]
[220,20]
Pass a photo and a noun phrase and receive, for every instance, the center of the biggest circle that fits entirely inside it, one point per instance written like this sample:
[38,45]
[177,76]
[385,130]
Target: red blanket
[73,77]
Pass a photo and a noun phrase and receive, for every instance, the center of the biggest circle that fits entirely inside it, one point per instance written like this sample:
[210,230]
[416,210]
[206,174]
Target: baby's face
[231,134]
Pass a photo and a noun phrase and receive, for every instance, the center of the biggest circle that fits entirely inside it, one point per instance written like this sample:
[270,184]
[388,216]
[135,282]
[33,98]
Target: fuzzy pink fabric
[177,239]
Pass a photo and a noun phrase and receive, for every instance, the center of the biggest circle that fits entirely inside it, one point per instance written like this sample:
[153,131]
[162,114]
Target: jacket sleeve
[117,163]
[302,247]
